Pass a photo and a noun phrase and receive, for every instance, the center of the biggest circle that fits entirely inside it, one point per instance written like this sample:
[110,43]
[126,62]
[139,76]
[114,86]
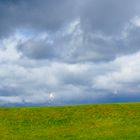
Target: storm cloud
[69,51]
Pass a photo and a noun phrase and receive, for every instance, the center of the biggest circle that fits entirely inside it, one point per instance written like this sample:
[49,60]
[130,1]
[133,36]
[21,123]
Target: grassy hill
[83,122]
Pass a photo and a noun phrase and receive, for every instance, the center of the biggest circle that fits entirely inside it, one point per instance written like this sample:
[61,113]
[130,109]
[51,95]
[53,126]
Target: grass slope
[85,122]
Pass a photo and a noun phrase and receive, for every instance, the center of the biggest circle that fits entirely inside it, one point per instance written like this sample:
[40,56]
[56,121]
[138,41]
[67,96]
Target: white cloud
[125,78]
[9,100]
[136,21]
[25,80]
[83,51]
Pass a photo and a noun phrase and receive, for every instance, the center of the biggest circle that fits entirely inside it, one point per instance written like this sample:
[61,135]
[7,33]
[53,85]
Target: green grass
[83,122]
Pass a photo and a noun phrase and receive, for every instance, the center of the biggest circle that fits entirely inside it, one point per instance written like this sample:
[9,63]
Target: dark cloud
[101,24]
[49,15]
[107,17]
[55,52]
[37,50]
[82,48]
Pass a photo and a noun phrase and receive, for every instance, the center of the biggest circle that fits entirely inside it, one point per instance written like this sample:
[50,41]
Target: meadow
[119,121]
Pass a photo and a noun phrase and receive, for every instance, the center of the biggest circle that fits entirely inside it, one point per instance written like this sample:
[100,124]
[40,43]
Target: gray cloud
[35,15]
[69,51]
[71,83]
[107,17]
[72,45]
[97,35]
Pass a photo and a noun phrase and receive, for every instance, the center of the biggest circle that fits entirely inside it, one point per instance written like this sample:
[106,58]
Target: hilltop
[117,121]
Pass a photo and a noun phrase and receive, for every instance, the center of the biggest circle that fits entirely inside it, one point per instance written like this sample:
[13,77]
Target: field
[83,122]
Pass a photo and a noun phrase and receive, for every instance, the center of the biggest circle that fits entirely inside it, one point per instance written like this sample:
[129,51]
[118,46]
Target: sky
[60,52]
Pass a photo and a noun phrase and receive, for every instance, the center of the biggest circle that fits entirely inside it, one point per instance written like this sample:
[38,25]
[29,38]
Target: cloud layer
[69,51]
